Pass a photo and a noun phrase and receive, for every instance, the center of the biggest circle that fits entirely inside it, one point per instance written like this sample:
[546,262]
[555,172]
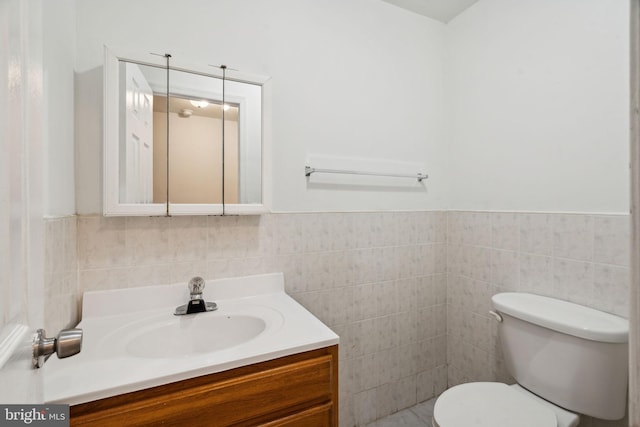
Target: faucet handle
[196,285]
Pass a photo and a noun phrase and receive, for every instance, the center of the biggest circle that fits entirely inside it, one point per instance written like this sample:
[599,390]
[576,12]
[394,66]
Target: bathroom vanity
[296,390]
[260,359]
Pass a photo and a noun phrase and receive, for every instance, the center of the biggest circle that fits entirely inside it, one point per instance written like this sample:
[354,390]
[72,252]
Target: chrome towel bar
[308,170]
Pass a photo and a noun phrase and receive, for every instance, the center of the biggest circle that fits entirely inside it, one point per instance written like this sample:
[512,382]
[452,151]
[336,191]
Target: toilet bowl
[491,404]
[564,357]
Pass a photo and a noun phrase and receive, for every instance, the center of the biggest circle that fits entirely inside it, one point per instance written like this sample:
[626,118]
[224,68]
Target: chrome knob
[196,286]
[67,343]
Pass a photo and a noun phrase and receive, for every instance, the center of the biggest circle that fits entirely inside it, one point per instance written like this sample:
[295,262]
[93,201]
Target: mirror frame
[111,142]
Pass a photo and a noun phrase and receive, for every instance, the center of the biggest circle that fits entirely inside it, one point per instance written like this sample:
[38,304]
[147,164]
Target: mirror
[181,140]
[195,175]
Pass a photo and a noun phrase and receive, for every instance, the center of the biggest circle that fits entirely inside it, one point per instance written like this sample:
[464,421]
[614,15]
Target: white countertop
[107,367]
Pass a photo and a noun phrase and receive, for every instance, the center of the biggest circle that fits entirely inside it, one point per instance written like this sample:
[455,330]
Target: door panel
[139,138]
[21,226]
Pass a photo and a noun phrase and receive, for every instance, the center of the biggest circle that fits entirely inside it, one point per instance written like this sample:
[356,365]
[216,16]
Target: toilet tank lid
[563,316]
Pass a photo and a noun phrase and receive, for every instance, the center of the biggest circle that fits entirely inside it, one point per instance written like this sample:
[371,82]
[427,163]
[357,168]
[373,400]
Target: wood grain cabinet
[293,391]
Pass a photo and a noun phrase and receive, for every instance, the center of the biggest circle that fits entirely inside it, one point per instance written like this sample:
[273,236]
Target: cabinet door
[319,416]
[298,390]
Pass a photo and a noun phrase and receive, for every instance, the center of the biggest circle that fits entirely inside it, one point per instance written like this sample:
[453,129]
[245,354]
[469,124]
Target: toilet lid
[488,404]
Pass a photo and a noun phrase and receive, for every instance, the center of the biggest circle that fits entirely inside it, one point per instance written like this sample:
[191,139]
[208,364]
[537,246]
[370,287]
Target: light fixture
[225,107]
[185,112]
[199,104]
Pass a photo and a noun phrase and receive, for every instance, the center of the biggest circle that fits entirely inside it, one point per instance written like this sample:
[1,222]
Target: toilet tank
[573,356]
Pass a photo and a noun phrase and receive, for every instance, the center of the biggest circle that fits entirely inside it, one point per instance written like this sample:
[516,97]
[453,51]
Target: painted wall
[196,159]
[538,95]
[535,102]
[59,51]
[355,78]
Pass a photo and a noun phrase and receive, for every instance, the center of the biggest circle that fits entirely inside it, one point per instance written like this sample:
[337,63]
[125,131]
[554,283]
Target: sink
[135,327]
[194,334]
[169,336]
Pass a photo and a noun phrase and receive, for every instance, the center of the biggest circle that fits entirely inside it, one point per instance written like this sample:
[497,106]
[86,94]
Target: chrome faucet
[196,303]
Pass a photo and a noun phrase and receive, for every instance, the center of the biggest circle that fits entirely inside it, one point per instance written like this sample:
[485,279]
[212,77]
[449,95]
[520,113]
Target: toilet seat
[489,404]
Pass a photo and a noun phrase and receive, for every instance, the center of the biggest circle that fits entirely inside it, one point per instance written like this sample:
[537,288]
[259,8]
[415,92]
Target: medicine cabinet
[181,139]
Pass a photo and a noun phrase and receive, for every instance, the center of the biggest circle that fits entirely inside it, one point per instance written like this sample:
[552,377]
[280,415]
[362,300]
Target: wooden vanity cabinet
[300,390]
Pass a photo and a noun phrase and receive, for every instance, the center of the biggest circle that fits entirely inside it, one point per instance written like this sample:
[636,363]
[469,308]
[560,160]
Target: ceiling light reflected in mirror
[199,104]
[213,109]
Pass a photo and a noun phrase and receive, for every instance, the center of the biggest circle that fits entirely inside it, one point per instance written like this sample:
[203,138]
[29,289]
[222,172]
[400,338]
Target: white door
[138,150]
[21,230]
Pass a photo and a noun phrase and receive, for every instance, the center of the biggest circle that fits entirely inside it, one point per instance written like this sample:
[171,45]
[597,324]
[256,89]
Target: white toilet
[566,358]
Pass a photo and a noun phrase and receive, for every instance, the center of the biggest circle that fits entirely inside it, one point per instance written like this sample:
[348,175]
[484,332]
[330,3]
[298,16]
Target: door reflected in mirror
[137,135]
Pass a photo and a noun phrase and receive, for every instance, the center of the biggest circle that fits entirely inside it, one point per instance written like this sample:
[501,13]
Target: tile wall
[60,274]
[377,279]
[575,257]
[408,292]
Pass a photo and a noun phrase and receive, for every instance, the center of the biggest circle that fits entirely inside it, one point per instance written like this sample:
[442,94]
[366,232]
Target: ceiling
[441,10]
[177,104]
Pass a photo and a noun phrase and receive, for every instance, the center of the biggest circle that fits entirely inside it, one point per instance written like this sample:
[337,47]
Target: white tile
[104,279]
[288,234]
[407,228]
[476,228]
[573,281]
[536,234]
[425,384]
[440,379]
[54,238]
[505,231]
[407,294]
[536,274]
[454,234]
[505,269]
[371,295]
[388,260]
[365,406]
[71,244]
[102,242]
[390,229]
[479,263]
[386,400]
[573,237]
[612,240]
[407,327]
[387,298]
[188,238]
[438,227]
[369,230]
[342,232]
[611,289]
[147,240]
[346,411]
[406,392]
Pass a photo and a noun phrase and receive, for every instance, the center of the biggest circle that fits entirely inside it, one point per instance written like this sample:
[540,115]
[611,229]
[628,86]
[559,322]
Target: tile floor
[416,416]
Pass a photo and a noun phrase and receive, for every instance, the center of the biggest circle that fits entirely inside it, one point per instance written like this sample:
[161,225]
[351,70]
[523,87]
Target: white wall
[59,49]
[538,106]
[355,78]
[534,115]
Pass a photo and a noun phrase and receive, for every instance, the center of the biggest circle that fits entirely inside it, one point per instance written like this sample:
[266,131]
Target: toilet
[567,359]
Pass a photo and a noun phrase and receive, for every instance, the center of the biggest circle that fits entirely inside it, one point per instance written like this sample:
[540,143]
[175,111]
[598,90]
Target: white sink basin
[180,336]
[130,346]
[160,335]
